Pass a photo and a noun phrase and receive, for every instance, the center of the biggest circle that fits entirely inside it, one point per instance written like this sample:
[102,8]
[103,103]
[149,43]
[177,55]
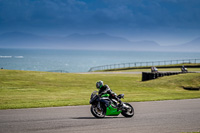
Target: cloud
[39,12]
[99,14]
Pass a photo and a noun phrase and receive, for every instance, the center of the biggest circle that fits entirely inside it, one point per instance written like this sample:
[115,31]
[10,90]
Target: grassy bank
[27,89]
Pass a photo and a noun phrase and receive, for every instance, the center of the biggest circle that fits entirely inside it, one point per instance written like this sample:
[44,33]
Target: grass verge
[28,89]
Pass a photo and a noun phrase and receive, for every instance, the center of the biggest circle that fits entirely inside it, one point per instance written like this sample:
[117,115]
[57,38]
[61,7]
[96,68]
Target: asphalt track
[172,116]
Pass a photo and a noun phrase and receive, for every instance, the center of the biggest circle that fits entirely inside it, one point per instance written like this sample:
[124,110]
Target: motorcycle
[99,109]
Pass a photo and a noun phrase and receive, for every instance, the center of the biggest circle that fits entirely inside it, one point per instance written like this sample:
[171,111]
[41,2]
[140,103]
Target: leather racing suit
[106,90]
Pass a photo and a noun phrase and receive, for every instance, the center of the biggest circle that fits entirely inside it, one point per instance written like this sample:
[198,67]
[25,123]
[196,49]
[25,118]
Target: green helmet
[99,84]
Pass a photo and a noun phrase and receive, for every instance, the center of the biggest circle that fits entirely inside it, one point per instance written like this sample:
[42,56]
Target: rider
[183,69]
[104,89]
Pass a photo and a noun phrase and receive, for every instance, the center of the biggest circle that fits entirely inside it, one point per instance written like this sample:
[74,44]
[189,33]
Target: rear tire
[97,113]
[128,112]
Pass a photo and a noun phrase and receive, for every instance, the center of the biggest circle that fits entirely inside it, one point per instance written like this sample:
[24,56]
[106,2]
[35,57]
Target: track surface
[173,116]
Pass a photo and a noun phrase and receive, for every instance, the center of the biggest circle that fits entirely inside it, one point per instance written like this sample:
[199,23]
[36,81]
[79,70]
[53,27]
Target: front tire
[96,112]
[128,112]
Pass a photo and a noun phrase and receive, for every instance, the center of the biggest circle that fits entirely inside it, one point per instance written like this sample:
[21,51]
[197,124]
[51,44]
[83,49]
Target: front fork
[99,106]
[125,107]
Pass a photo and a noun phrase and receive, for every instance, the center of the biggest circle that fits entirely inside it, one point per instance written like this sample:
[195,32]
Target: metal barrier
[143,64]
[58,71]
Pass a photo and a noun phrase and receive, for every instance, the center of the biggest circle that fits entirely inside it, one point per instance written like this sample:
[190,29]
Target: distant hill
[99,41]
[103,41]
[20,39]
[96,41]
[147,45]
[191,46]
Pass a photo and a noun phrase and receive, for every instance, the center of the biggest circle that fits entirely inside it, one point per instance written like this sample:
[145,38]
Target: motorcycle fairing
[110,111]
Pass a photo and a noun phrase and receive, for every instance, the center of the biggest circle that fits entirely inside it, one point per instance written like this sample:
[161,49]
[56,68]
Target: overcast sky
[164,21]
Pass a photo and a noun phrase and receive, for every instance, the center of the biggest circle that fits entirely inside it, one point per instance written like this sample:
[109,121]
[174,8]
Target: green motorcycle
[99,110]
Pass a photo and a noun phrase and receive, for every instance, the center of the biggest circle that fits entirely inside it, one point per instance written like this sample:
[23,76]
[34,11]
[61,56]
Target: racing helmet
[99,84]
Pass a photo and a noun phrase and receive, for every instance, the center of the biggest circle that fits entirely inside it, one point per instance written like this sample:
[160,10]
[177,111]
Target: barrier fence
[58,71]
[143,64]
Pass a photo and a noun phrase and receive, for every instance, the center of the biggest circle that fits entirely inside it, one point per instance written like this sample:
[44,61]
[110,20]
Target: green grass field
[28,89]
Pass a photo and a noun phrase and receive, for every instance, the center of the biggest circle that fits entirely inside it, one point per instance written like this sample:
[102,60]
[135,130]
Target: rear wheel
[128,112]
[97,112]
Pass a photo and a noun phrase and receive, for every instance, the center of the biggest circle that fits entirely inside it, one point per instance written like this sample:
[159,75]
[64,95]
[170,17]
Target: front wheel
[128,111]
[97,112]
